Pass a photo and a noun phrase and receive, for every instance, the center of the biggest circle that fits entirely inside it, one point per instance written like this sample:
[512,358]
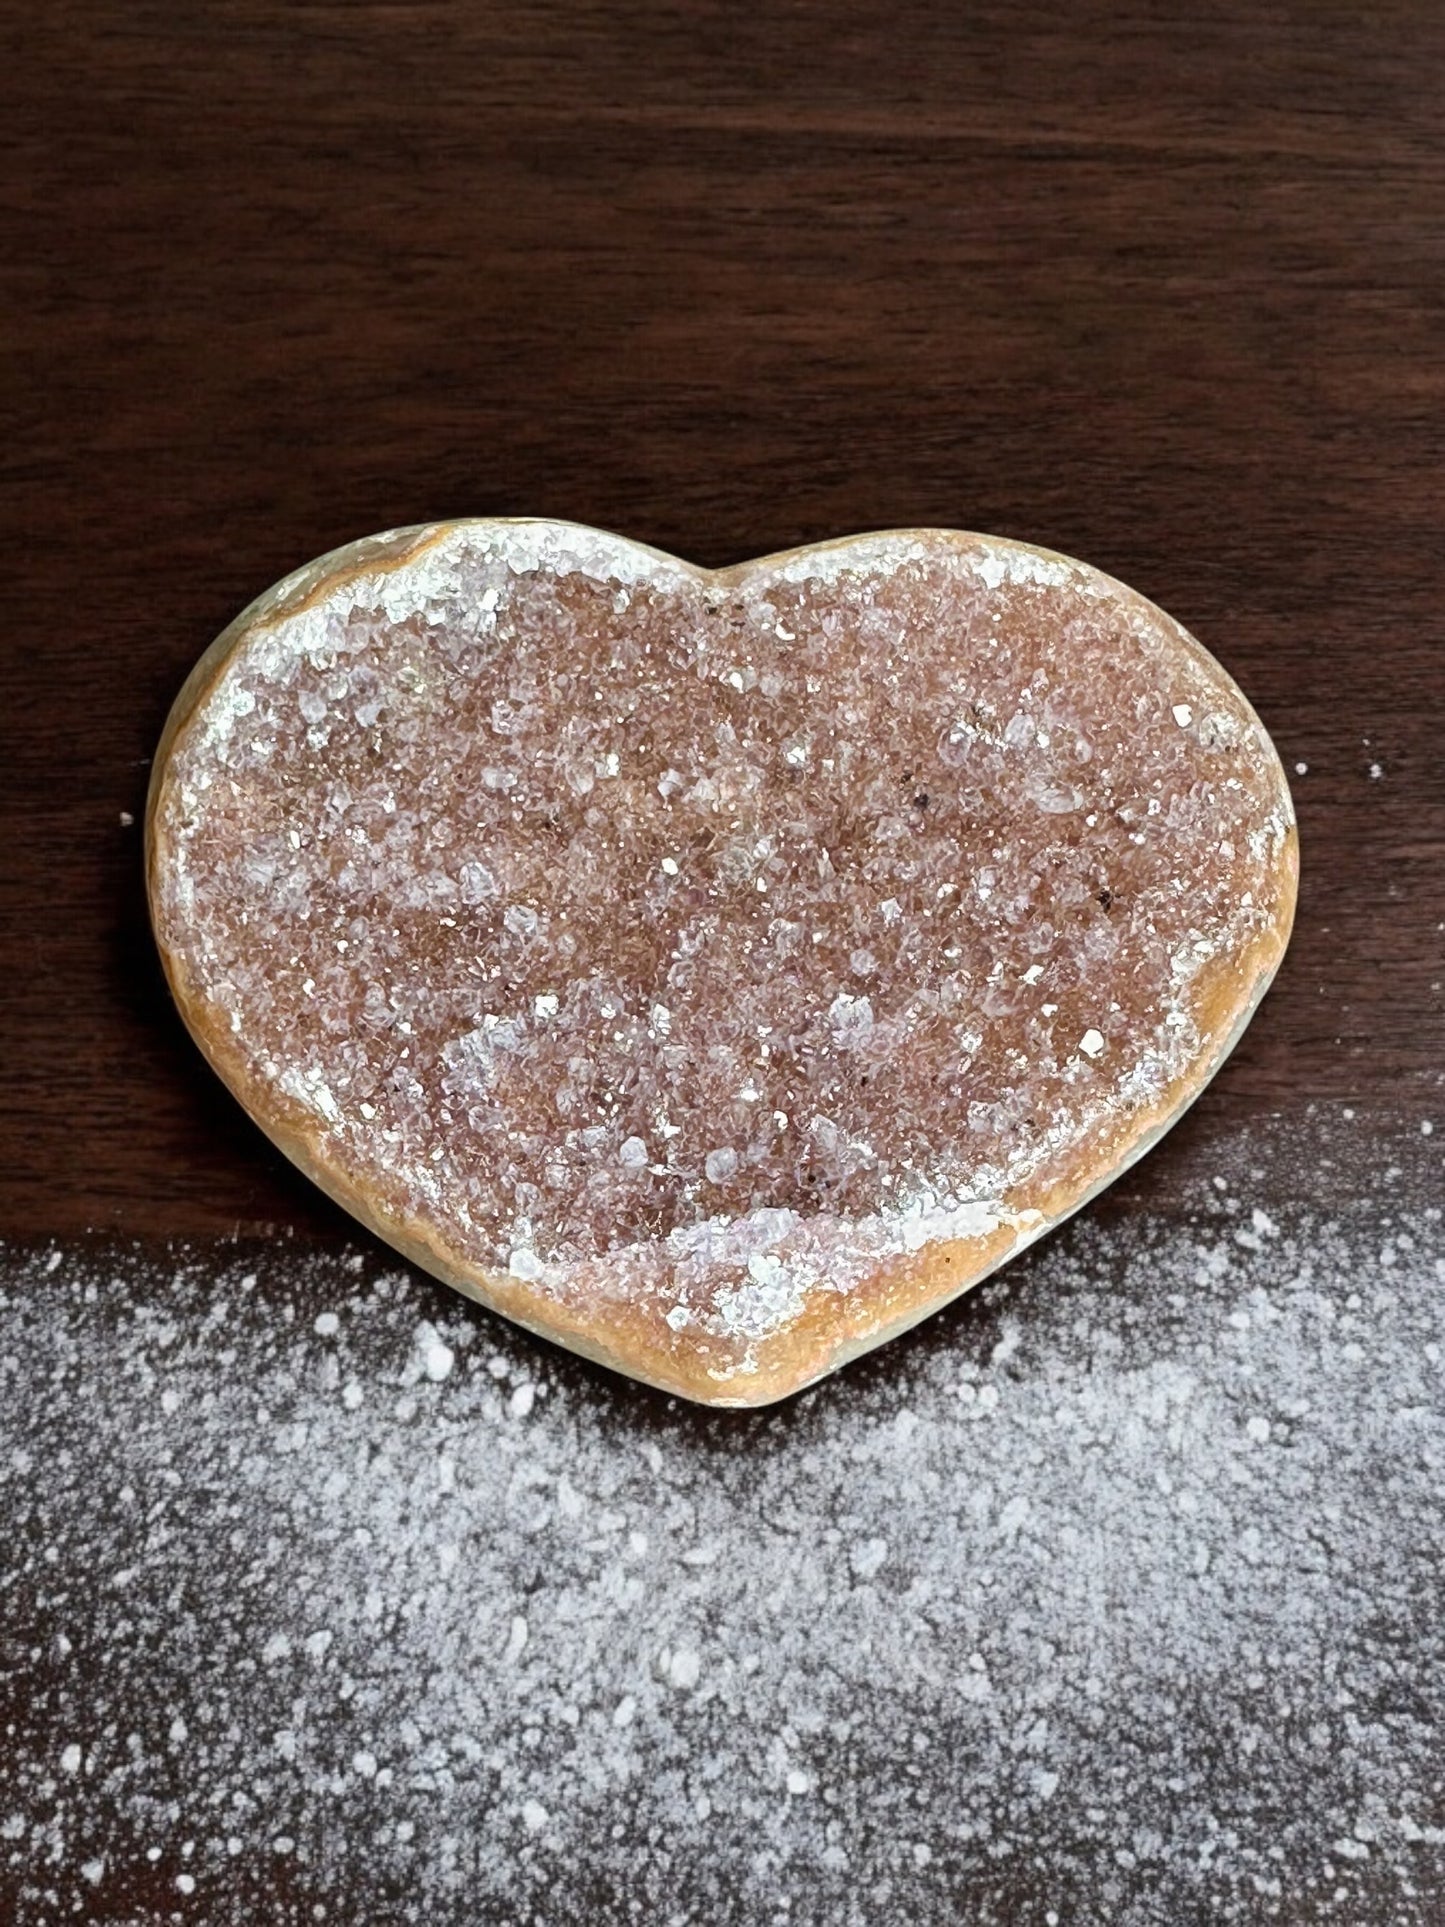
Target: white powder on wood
[1111,1596]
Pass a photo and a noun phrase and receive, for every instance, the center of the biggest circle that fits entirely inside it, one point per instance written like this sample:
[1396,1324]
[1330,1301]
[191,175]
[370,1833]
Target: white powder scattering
[516,1641]
[437,1357]
[1112,1592]
[684,1669]
[521,1400]
[867,1557]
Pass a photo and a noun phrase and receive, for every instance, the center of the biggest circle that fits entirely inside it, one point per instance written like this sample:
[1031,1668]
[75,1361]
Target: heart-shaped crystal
[714,971]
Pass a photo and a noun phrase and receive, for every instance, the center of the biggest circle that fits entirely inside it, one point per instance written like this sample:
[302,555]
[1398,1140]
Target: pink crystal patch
[680,961]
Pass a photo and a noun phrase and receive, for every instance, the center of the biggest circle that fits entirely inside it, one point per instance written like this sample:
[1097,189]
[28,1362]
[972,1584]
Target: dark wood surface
[1158,284]
[1161,286]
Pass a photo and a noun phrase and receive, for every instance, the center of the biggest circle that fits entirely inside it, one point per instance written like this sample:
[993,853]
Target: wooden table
[1162,287]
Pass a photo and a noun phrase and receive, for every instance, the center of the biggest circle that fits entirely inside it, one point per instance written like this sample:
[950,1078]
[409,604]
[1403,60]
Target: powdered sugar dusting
[1113,1597]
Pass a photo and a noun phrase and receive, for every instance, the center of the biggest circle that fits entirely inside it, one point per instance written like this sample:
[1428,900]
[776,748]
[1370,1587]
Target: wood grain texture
[1163,292]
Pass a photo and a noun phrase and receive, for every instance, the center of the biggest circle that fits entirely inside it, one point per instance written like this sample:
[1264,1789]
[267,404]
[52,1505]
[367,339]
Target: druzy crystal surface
[704,941]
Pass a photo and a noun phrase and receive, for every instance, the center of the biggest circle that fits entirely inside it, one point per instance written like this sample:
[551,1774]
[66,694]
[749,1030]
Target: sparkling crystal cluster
[706,941]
